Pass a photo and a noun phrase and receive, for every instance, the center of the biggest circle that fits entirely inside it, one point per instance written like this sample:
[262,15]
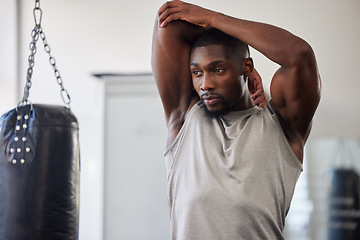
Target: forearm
[275,43]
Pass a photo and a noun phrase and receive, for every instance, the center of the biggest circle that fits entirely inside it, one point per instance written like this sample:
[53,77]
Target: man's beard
[223,111]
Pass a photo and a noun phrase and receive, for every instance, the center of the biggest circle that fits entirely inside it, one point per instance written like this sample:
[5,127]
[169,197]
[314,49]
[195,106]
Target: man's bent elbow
[304,54]
[305,61]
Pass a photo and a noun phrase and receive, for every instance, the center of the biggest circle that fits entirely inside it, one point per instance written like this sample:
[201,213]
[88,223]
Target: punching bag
[39,174]
[39,163]
[344,209]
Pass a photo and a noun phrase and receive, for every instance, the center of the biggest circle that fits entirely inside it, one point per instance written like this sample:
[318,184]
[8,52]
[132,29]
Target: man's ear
[247,66]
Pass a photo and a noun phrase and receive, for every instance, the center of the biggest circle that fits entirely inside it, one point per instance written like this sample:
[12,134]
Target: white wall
[93,36]
[7,55]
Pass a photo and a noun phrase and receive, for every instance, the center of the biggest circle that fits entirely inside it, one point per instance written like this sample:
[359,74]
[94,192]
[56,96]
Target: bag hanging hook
[37,12]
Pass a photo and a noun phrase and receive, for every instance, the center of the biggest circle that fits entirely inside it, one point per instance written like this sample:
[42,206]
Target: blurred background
[103,49]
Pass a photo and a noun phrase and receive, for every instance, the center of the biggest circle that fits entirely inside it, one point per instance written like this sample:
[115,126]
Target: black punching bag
[344,209]
[39,174]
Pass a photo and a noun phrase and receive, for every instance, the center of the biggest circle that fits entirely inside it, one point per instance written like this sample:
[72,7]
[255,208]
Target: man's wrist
[215,19]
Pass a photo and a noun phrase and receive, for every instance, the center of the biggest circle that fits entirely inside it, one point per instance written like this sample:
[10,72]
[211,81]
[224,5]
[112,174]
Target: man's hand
[178,10]
[256,89]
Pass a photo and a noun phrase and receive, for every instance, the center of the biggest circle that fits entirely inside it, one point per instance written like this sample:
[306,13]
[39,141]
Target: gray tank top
[231,177]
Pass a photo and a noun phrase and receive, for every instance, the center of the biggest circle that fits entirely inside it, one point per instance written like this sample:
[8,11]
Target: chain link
[37,33]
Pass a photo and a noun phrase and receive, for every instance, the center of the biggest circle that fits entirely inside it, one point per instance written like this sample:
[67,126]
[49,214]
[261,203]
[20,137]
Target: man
[232,166]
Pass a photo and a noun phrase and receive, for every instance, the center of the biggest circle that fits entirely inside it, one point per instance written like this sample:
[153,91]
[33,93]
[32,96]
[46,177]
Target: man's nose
[207,83]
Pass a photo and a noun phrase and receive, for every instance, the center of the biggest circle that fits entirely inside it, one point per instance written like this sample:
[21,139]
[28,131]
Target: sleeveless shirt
[230,177]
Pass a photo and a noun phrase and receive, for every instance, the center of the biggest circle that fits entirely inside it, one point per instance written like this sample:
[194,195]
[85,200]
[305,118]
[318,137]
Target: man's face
[216,76]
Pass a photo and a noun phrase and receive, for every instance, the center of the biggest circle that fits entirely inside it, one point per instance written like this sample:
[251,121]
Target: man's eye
[196,72]
[219,70]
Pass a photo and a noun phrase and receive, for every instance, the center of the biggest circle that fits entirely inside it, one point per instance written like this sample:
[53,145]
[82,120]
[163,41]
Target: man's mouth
[210,99]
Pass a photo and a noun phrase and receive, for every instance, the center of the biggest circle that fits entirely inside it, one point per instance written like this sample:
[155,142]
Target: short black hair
[214,36]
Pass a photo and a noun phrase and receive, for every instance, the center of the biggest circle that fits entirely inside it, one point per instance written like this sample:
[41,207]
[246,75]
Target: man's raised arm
[170,63]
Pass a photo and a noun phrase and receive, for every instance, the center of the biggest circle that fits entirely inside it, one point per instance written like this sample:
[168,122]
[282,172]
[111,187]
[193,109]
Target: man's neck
[244,103]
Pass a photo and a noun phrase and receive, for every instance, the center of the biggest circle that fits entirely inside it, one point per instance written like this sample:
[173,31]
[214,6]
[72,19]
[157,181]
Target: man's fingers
[258,93]
[263,104]
[261,101]
[169,4]
[259,98]
[256,89]
[258,83]
[168,18]
[168,12]
[251,87]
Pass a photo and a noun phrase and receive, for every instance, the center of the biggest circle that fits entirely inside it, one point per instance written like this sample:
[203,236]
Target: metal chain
[64,93]
[31,59]
[35,34]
